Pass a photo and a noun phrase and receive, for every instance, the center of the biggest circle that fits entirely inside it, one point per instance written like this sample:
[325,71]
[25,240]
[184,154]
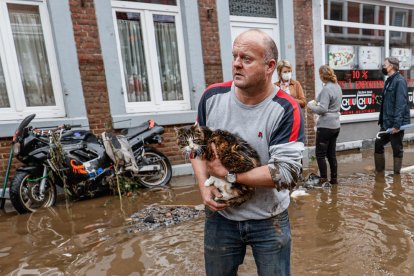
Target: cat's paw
[219,200]
[209,182]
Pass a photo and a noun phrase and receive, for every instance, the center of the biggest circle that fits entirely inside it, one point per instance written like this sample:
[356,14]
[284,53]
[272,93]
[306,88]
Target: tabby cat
[234,153]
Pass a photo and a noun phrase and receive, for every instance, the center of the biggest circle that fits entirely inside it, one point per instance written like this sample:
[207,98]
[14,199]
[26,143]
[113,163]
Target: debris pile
[156,216]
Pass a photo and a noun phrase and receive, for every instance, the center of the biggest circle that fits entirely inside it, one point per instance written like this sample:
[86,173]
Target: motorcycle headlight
[16,148]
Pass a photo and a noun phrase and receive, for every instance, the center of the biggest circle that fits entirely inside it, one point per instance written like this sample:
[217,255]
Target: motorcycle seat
[130,132]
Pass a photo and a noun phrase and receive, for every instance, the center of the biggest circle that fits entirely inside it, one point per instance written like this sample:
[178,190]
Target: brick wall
[210,41]
[304,59]
[91,64]
[4,157]
[169,146]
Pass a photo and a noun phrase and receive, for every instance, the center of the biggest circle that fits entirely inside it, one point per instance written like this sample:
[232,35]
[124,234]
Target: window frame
[387,28]
[18,108]
[147,11]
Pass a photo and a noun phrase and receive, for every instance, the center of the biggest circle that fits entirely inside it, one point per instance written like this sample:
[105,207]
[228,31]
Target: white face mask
[286,76]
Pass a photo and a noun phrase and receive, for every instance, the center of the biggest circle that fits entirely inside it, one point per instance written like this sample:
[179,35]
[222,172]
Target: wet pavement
[363,226]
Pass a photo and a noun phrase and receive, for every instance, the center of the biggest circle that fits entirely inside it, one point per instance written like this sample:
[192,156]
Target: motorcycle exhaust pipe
[149,168]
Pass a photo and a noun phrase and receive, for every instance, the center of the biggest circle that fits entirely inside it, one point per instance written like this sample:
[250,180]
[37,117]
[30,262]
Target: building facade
[112,64]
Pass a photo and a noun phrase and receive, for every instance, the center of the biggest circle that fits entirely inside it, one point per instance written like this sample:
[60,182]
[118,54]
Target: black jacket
[395,107]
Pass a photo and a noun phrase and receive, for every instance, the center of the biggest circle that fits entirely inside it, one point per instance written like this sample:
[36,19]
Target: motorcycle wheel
[24,194]
[159,178]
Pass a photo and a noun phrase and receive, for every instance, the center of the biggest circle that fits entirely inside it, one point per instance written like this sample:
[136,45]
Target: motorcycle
[78,161]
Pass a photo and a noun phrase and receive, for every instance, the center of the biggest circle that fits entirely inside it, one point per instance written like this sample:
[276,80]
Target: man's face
[249,68]
[387,66]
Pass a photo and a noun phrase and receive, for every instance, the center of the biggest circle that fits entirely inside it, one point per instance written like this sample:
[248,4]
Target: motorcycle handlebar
[69,127]
[48,132]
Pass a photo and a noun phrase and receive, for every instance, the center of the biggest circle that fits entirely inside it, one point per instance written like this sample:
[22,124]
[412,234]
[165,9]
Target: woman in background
[327,106]
[287,84]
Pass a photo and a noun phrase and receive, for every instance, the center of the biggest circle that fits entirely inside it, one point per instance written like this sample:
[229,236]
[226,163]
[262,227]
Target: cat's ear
[197,126]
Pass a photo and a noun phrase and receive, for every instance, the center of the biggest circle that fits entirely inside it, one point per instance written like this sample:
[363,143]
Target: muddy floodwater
[363,226]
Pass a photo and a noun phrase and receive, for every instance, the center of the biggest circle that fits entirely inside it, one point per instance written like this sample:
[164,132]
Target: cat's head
[191,140]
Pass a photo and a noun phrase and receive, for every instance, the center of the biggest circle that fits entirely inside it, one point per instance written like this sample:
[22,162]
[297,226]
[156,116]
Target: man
[395,112]
[271,121]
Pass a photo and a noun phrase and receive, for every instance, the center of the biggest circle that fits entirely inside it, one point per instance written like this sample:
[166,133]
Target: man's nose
[237,62]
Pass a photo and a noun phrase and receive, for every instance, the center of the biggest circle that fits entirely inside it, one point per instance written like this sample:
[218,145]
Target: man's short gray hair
[271,51]
[394,62]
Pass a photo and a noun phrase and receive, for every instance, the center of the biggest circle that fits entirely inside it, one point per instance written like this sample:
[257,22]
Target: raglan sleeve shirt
[286,146]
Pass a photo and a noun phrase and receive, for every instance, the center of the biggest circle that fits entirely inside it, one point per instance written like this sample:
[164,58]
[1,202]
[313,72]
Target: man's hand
[215,168]
[395,130]
[208,194]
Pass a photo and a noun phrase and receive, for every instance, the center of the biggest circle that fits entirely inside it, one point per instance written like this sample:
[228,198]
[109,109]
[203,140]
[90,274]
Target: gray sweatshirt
[274,128]
[328,106]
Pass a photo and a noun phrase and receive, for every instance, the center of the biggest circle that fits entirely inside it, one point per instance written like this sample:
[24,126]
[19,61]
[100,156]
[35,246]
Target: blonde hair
[327,74]
[283,63]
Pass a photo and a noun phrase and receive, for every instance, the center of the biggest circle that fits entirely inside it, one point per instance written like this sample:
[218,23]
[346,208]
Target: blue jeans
[225,244]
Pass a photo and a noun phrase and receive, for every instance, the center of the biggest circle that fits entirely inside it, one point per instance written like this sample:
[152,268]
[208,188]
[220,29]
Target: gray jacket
[328,106]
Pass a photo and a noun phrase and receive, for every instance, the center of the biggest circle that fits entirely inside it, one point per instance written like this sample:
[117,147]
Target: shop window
[357,51]
[29,81]
[253,8]
[368,14]
[334,10]
[403,49]
[347,35]
[356,59]
[153,62]
[354,12]
[401,17]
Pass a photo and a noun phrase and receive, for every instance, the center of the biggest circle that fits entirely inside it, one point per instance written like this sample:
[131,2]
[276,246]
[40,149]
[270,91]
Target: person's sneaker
[334,181]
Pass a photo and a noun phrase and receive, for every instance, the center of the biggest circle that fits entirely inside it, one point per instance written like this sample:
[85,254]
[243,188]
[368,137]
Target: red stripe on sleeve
[224,84]
[220,84]
[296,115]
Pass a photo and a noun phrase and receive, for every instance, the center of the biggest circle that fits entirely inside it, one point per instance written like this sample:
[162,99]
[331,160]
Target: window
[356,56]
[253,8]
[403,49]
[401,17]
[162,2]
[357,39]
[29,81]
[151,50]
[354,12]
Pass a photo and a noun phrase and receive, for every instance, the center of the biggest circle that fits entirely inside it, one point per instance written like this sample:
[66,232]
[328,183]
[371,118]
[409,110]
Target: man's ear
[272,65]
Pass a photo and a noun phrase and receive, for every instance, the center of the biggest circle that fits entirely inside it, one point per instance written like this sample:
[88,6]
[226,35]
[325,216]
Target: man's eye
[247,59]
